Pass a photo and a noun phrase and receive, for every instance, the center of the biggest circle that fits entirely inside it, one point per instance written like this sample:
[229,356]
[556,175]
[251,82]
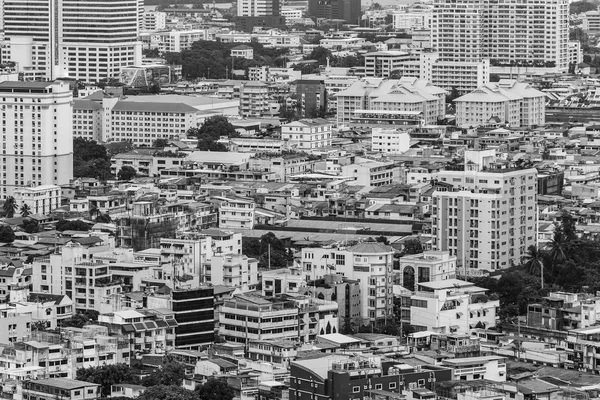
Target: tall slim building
[348,10]
[88,40]
[37,134]
[504,31]
[488,218]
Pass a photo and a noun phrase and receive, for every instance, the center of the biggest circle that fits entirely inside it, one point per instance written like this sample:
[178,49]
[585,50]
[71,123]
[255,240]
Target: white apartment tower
[488,219]
[88,40]
[37,134]
[504,31]
[257,8]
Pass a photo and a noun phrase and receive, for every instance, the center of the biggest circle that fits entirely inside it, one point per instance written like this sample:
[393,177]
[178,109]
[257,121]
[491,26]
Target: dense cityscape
[300,200]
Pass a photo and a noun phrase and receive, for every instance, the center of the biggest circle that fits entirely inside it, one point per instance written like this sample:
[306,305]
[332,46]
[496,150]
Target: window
[421,382]
[356,389]
[392,385]
[378,386]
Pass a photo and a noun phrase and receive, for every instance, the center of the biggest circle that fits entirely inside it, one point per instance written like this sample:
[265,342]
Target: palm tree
[25,210]
[557,247]
[94,210]
[9,207]
[533,262]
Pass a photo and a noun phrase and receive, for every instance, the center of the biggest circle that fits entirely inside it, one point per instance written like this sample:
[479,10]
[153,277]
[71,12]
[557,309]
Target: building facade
[308,134]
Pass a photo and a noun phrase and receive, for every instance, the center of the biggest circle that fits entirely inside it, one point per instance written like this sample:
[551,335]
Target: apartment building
[582,345]
[338,288]
[391,141]
[349,11]
[232,270]
[311,97]
[370,102]
[40,199]
[154,21]
[590,22]
[505,32]
[146,163]
[37,140]
[372,173]
[177,41]
[14,326]
[235,213]
[408,21]
[71,38]
[68,389]
[253,96]
[251,317]
[369,263]
[308,134]
[243,51]
[509,102]
[488,219]
[491,368]
[429,266]
[451,306]
[563,311]
[382,63]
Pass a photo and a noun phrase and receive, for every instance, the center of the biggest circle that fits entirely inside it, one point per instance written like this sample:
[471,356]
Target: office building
[194,311]
[311,97]
[72,38]
[488,218]
[507,102]
[371,102]
[37,134]
[505,32]
[347,10]
[258,13]
[408,21]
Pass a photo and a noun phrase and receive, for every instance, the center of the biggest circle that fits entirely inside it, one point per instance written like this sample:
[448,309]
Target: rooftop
[64,383]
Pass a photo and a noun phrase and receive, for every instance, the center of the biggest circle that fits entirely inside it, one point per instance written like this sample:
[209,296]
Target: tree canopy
[7,235]
[9,207]
[579,7]
[126,173]
[66,225]
[107,375]
[215,389]
[90,160]
[171,373]
[211,131]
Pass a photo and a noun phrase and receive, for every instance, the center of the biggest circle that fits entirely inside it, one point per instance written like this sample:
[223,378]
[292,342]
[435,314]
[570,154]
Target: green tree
[215,389]
[90,160]
[9,207]
[453,95]
[40,325]
[579,7]
[30,226]
[171,373]
[25,210]
[107,375]
[533,260]
[160,143]
[104,218]
[7,235]
[412,246]
[162,392]
[126,173]
[211,131]
[66,225]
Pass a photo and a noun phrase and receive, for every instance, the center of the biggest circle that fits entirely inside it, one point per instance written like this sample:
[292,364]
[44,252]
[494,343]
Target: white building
[233,270]
[37,136]
[243,51]
[369,102]
[383,63]
[429,266]
[590,22]
[575,52]
[291,14]
[176,41]
[509,102]
[71,38]
[40,199]
[491,368]
[367,172]
[307,134]
[257,8]
[488,220]
[471,30]
[407,21]
[451,306]
[392,141]
[235,213]
[154,21]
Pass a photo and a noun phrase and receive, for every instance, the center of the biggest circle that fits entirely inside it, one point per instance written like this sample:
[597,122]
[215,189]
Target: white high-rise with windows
[37,134]
[522,33]
[488,218]
[89,40]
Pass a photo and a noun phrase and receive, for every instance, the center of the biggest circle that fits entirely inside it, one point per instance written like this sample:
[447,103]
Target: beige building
[40,199]
[488,219]
[508,102]
[429,266]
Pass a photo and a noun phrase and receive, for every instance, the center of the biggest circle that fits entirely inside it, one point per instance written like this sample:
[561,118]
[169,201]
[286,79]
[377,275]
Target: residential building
[282,281]
[195,315]
[71,38]
[488,219]
[308,134]
[581,346]
[371,102]
[144,76]
[253,96]
[14,325]
[383,63]
[515,104]
[233,270]
[338,288]
[188,254]
[235,213]
[505,33]
[40,200]
[451,306]
[393,141]
[564,311]
[491,368]
[38,134]
[243,51]
[349,11]
[311,97]
[408,21]
[369,263]
[154,21]
[257,8]
[68,389]
[274,351]
[252,317]
[357,377]
[176,41]
[590,21]
[370,172]
[270,74]
[429,266]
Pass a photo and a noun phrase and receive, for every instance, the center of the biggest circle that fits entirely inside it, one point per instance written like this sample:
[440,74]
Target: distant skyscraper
[504,31]
[258,13]
[347,10]
[83,39]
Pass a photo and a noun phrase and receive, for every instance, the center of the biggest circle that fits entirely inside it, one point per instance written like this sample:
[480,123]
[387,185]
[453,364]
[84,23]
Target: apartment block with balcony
[275,351]
[187,255]
[232,270]
[383,63]
[488,218]
[582,348]
[491,368]
[563,311]
[41,200]
[176,41]
[452,306]
[308,134]
[254,96]
[251,317]
[372,173]
[235,213]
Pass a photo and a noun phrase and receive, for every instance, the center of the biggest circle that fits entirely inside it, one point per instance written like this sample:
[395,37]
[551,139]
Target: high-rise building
[37,134]
[520,34]
[258,13]
[195,316]
[488,219]
[82,39]
[348,10]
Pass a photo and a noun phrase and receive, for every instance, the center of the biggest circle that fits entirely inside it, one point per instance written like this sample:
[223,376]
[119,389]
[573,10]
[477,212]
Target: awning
[455,327]
[459,314]
[171,323]
[313,320]
[160,323]
[139,327]
[150,325]
[128,328]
